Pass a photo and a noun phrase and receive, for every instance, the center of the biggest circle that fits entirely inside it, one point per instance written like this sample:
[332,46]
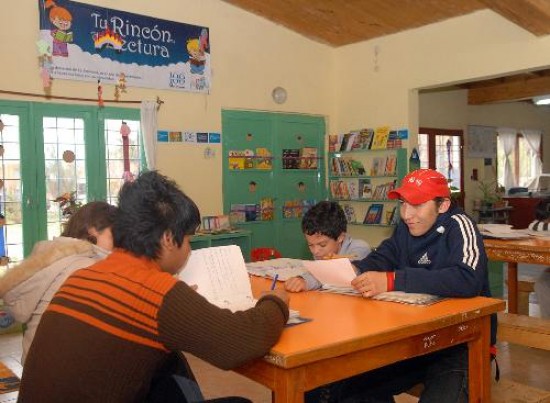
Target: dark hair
[326,218]
[542,211]
[96,214]
[148,207]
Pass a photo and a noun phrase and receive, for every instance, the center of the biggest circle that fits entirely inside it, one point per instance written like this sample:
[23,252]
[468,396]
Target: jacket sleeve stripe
[470,247]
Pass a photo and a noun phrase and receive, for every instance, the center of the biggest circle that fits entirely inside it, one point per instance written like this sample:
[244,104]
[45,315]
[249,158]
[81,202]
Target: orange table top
[342,323]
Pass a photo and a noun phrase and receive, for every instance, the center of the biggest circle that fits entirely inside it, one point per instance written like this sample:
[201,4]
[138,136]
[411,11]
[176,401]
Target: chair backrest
[259,254]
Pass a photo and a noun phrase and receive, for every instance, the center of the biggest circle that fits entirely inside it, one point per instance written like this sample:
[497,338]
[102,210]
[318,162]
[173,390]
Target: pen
[274,283]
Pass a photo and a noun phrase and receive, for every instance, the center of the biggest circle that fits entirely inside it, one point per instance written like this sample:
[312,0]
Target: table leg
[512,287]
[289,386]
[479,364]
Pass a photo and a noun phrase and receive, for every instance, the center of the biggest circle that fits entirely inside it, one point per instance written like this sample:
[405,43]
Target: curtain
[508,138]
[533,138]
[149,131]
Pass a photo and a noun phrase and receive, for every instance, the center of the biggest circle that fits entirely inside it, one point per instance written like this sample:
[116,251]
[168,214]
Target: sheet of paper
[334,272]
[220,275]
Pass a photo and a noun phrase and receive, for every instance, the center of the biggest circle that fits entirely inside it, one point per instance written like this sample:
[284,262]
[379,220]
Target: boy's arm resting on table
[304,282]
[463,277]
[188,322]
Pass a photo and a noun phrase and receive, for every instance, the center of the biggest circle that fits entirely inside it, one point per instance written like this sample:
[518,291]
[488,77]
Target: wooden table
[535,250]
[350,335]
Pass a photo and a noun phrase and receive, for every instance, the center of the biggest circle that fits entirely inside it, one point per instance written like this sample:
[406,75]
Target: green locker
[273,170]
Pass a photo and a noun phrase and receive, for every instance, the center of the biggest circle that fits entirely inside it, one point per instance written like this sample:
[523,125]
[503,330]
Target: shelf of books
[363,167]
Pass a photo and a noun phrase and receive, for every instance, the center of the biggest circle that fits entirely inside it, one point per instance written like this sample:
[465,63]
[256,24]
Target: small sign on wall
[165,136]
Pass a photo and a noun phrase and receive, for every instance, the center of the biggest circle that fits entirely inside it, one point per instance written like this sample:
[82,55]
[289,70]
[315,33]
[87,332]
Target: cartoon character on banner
[61,19]
[45,62]
[196,49]
[127,176]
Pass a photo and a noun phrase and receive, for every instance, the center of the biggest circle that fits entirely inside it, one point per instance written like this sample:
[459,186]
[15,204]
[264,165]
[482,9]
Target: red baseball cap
[420,186]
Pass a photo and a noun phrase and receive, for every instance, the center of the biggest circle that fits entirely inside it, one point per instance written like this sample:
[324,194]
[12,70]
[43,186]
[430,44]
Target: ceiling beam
[510,91]
[531,15]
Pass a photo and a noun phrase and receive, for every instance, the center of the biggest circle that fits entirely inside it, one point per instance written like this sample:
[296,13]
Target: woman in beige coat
[28,288]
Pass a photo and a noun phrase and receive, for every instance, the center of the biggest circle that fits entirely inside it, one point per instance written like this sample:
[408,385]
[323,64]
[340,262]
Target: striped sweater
[112,325]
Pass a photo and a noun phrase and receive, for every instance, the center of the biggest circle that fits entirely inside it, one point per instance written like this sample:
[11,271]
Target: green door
[289,188]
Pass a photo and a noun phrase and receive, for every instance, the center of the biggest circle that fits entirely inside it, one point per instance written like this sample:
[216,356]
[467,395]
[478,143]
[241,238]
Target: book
[380,138]
[365,189]
[365,138]
[266,209]
[408,298]
[291,158]
[391,162]
[334,142]
[374,214]
[236,159]
[349,211]
[308,158]
[263,158]
[221,277]
[9,381]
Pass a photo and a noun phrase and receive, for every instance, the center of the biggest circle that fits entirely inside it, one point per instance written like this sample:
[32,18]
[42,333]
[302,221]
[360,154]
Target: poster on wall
[91,43]
[482,142]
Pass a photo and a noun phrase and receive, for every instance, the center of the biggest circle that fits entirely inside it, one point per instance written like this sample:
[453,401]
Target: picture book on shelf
[236,159]
[263,158]
[349,211]
[380,138]
[391,163]
[365,138]
[365,189]
[374,214]
[308,158]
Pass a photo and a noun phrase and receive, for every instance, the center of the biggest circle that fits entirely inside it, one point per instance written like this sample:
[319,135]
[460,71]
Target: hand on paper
[295,284]
[370,283]
[278,292]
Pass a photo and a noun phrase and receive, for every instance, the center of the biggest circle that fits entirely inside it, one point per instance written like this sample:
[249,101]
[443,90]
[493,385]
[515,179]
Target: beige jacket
[28,288]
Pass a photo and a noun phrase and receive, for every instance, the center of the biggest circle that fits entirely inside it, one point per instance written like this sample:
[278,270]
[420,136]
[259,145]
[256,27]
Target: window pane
[62,176]
[423,150]
[10,192]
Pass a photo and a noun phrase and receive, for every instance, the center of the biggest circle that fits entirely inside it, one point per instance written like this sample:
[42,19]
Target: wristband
[390,276]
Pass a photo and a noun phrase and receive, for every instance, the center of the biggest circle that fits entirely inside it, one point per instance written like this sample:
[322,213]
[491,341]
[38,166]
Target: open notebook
[221,277]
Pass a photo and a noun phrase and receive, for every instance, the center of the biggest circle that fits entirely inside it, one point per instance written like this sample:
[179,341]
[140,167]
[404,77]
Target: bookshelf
[360,180]
[273,171]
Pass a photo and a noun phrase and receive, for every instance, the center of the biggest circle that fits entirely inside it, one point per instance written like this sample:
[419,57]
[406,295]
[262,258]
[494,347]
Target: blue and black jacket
[449,260]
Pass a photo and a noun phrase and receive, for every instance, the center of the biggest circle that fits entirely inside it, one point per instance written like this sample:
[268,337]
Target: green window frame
[32,157]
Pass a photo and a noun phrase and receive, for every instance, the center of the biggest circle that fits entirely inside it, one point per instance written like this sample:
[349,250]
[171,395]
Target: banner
[90,43]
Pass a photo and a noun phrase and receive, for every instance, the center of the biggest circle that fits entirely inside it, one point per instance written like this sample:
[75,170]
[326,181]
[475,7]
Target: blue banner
[93,43]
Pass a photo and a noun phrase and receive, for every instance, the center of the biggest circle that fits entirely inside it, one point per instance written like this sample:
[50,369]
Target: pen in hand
[274,283]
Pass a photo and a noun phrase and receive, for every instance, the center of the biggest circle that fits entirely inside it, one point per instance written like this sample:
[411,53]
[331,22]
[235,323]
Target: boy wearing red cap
[435,249]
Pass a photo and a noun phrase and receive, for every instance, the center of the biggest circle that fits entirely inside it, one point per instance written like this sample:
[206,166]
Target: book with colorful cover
[380,138]
[308,158]
[391,162]
[263,158]
[365,138]
[374,214]
[236,159]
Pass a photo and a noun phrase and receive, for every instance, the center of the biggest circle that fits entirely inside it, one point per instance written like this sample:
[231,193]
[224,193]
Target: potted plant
[490,194]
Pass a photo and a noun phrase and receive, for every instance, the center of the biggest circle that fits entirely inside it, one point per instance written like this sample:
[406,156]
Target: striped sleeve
[470,248]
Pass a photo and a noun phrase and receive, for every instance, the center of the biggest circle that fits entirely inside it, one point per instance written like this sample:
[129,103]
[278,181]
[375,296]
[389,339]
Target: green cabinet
[273,170]
[240,238]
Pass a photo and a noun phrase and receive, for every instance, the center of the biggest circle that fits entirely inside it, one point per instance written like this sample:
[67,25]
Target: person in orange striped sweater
[112,325]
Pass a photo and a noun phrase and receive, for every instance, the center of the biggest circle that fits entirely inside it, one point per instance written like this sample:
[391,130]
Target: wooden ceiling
[343,22]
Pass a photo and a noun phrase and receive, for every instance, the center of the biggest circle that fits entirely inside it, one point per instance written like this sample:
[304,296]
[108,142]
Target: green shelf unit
[240,238]
[287,188]
[359,206]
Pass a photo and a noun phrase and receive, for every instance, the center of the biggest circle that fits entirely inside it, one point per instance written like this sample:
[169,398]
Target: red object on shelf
[524,211]
[259,254]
